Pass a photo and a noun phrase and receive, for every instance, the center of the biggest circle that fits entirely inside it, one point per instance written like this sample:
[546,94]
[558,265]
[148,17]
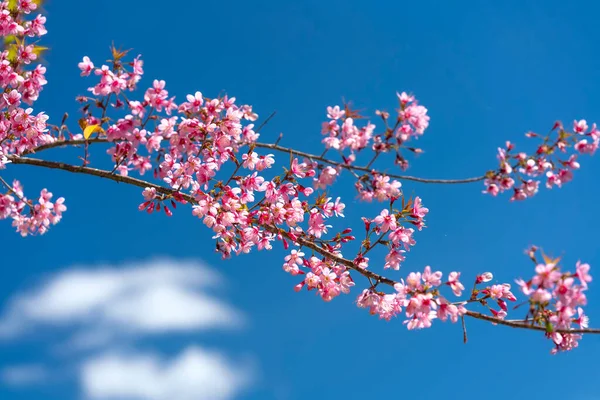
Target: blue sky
[487,71]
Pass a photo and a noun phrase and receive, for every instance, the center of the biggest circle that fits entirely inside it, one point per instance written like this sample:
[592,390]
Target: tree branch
[273,229]
[95,172]
[366,169]
[286,150]
[525,324]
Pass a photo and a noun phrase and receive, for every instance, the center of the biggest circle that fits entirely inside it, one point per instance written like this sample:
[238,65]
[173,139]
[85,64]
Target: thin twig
[12,190]
[524,325]
[289,151]
[6,184]
[279,139]
[266,121]
[365,169]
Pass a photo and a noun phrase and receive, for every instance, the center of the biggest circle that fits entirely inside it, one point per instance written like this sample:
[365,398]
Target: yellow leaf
[38,50]
[13,4]
[118,54]
[90,129]
[549,260]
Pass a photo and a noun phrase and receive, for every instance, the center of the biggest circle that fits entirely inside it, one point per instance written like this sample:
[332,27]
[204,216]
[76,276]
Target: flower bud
[485,277]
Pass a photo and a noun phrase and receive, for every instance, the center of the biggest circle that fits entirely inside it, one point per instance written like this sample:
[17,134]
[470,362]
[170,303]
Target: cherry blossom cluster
[20,80]
[556,298]
[419,296]
[498,294]
[41,215]
[342,133]
[21,130]
[12,22]
[188,150]
[552,161]
[378,187]
[327,277]
[392,233]
[331,278]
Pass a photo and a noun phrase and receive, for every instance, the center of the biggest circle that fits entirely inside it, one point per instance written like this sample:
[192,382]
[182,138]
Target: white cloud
[105,309]
[196,374]
[157,297]
[21,375]
[169,307]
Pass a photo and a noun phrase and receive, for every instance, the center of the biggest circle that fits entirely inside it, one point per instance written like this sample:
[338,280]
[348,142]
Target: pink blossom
[385,221]
[580,126]
[86,66]
[455,284]
[547,275]
[525,287]
[501,291]
[335,113]
[316,224]
[405,98]
[418,210]
[393,259]
[431,279]
[485,277]
[583,274]
[447,310]
[582,320]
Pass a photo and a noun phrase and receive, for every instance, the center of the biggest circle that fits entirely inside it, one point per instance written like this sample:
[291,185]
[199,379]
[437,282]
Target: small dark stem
[292,152]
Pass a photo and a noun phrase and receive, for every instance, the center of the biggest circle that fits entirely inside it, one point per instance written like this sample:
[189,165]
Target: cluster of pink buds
[497,293]
[556,298]
[116,80]
[420,298]
[328,278]
[342,133]
[398,238]
[378,187]
[22,130]
[522,172]
[30,218]
[20,81]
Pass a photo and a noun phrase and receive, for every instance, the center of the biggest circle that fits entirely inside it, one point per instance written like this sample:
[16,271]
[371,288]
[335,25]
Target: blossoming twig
[301,241]
[79,142]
